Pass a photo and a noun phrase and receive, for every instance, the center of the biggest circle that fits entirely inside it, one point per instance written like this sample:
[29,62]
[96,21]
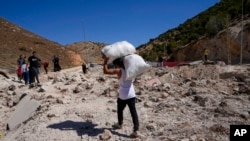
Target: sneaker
[135,134]
[117,126]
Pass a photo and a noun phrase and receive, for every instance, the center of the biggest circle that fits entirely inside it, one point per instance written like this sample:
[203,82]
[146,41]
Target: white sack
[117,50]
[134,66]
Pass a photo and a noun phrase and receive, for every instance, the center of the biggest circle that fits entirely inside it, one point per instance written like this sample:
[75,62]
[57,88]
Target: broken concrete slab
[25,109]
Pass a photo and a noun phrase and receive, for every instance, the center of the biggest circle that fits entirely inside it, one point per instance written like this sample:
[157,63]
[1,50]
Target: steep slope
[225,46]
[15,40]
[89,51]
[216,28]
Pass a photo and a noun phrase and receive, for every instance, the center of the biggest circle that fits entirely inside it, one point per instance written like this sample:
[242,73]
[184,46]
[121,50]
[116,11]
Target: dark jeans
[84,69]
[57,67]
[46,69]
[121,104]
[33,74]
[26,77]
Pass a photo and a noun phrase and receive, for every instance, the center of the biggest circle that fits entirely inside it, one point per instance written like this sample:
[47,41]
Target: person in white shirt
[126,94]
[25,73]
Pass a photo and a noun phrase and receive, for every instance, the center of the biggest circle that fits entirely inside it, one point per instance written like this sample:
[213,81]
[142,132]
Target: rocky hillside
[225,46]
[218,28]
[89,51]
[15,40]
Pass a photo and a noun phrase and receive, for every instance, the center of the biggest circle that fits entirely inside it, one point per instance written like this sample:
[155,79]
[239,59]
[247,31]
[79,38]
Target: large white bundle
[134,65]
[117,50]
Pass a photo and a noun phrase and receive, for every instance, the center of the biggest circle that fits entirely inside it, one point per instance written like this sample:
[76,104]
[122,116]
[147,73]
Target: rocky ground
[184,103]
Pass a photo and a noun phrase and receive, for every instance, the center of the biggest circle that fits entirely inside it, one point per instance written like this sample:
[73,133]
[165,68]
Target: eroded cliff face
[75,58]
[89,52]
[225,46]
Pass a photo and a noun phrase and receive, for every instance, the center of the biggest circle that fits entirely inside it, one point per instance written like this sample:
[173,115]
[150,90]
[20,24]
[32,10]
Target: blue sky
[106,21]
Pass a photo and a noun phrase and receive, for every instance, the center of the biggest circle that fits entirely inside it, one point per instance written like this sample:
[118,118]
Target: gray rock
[25,109]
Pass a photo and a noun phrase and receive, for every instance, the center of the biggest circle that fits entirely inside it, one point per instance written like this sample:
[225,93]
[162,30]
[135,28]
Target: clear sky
[106,21]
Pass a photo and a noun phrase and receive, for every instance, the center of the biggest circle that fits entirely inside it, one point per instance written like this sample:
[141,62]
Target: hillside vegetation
[206,24]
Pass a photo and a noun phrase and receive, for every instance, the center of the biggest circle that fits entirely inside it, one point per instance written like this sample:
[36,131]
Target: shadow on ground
[84,128]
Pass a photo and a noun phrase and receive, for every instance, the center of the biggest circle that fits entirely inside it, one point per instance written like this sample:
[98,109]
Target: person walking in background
[34,63]
[84,68]
[19,73]
[57,67]
[25,73]
[160,61]
[126,96]
[45,66]
[205,54]
[20,61]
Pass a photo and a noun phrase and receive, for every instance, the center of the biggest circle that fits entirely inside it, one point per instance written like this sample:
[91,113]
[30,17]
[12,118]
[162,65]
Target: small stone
[106,135]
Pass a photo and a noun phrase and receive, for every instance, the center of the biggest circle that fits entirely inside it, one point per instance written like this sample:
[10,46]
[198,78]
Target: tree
[215,24]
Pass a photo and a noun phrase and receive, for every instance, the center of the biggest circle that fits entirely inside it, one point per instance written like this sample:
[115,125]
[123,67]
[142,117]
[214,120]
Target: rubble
[187,103]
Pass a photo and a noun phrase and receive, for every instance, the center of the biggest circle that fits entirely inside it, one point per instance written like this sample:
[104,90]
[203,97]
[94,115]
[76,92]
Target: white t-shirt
[126,89]
[24,69]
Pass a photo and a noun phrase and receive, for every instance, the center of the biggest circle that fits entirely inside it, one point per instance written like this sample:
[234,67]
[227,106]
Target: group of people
[30,70]
[127,95]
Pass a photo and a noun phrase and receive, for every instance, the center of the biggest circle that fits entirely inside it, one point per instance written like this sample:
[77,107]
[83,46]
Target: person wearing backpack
[126,96]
